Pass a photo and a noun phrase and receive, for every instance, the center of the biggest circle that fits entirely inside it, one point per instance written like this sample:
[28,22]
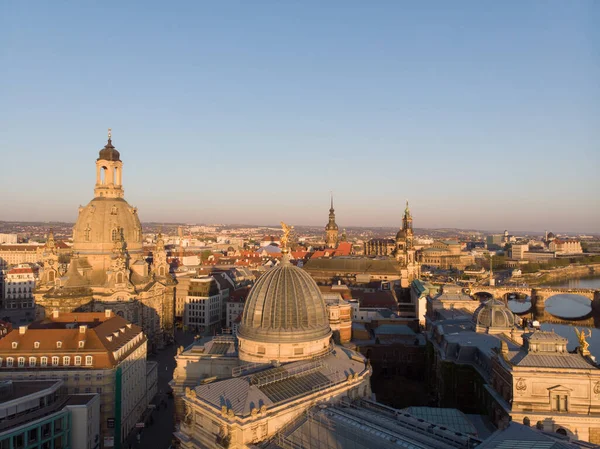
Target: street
[159,435]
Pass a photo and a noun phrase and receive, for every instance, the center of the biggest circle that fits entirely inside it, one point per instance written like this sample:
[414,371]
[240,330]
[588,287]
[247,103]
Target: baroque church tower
[405,251]
[331,229]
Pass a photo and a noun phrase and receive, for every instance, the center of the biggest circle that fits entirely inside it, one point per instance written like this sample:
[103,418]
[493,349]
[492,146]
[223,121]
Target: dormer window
[109,337]
[82,343]
[15,345]
[59,344]
[36,345]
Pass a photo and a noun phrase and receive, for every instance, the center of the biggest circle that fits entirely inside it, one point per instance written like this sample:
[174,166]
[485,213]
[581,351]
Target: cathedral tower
[331,229]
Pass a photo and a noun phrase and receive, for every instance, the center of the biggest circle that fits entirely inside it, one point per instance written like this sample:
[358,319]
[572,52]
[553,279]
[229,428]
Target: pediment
[560,389]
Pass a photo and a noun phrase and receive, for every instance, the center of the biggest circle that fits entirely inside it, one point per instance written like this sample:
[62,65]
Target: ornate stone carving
[521,384]
[597,388]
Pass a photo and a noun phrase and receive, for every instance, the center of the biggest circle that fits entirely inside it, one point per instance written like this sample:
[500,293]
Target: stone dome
[99,224]
[285,317]
[401,235]
[493,314]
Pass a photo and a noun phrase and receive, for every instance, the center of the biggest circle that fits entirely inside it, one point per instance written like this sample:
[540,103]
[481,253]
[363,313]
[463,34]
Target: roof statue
[583,344]
[285,239]
[407,210]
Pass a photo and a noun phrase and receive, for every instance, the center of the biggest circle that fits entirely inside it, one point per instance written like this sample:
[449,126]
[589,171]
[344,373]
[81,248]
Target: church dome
[109,153]
[493,314]
[285,317]
[401,235]
[99,224]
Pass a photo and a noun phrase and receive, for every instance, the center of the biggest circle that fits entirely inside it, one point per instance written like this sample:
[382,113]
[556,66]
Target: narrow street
[159,435]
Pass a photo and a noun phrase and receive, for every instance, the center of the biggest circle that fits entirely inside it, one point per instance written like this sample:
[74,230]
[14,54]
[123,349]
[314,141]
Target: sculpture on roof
[285,239]
[583,344]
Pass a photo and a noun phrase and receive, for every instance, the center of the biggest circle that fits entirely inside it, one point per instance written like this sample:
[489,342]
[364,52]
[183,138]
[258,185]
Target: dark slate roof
[109,152]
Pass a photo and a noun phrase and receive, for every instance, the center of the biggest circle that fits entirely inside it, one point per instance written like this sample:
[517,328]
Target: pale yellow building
[283,364]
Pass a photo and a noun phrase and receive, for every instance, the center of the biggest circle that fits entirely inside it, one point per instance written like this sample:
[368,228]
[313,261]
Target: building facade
[98,353]
[203,303]
[19,284]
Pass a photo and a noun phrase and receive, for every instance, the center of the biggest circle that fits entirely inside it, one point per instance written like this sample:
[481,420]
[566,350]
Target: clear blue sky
[484,114]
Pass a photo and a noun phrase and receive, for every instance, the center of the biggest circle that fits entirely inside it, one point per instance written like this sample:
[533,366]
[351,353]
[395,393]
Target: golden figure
[583,344]
[287,230]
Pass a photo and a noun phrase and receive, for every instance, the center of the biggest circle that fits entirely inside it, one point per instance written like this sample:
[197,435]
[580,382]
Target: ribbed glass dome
[285,305]
[493,313]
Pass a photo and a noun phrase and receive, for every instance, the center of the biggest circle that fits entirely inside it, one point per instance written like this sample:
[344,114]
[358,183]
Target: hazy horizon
[485,116]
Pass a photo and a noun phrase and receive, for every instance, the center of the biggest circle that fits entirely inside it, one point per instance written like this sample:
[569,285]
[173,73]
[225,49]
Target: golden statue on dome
[285,239]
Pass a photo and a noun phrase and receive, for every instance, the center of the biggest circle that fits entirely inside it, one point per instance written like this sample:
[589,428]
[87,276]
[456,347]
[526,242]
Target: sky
[485,115]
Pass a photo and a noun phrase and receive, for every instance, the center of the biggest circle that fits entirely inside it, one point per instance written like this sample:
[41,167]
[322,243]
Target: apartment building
[91,353]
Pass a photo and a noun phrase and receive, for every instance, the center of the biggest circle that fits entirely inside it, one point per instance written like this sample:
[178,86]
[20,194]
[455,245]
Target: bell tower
[109,170]
[331,229]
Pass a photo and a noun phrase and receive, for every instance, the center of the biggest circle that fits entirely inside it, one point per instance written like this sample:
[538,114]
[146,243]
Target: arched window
[66,360]
[21,362]
[115,235]
[32,361]
[51,276]
[77,360]
[87,233]
[103,175]
[89,360]
[9,362]
[161,271]
[119,278]
[44,361]
[55,361]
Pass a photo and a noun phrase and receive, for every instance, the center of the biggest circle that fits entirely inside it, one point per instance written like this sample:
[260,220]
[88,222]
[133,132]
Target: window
[59,344]
[15,344]
[560,403]
[9,362]
[21,362]
[88,360]
[66,360]
[36,345]
[55,361]
[77,360]
[82,343]
[44,361]
[31,361]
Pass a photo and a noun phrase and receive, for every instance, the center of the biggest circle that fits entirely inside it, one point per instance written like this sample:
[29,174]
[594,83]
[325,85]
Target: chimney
[107,313]
[22,330]
[55,313]
[82,329]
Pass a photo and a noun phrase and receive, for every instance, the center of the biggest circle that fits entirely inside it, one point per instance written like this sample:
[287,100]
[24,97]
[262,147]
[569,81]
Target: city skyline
[481,116]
